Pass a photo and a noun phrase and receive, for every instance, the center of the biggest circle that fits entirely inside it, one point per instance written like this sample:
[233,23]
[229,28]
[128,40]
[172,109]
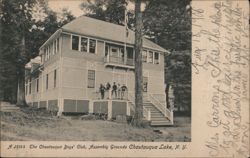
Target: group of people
[117,91]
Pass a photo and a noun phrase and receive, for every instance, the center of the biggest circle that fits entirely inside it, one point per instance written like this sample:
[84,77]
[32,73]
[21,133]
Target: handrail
[119,60]
[146,112]
[160,106]
[168,113]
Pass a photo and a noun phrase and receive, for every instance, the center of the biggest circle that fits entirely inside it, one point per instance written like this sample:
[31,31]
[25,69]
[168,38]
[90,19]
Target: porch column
[109,109]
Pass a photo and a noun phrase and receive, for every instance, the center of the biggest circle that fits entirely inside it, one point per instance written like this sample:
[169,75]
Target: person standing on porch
[118,91]
[123,90]
[108,86]
[114,90]
[102,91]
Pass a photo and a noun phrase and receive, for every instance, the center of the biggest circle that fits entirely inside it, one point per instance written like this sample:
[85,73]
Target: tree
[137,121]
[108,10]
[16,16]
[168,23]
[21,36]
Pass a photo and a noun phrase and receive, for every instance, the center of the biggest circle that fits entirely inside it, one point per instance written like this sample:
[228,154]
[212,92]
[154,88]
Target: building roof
[105,30]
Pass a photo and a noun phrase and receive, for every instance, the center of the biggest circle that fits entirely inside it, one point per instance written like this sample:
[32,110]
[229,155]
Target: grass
[30,124]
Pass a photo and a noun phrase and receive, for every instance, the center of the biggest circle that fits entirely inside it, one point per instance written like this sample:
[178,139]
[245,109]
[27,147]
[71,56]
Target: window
[47,81]
[145,84]
[30,86]
[57,45]
[114,52]
[150,57]
[156,58]
[54,78]
[37,85]
[49,51]
[75,42]
[130,53]
[91,78]
[144,56]
[92,46]
[26,89]
[54,47]
[106,50]
[84,44]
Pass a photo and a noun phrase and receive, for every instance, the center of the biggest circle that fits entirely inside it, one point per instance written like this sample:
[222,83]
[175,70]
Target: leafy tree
[21,37]
[16,19]
[112,11]
[168,23]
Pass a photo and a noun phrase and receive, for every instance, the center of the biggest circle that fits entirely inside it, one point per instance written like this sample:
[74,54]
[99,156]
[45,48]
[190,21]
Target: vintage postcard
[124,78]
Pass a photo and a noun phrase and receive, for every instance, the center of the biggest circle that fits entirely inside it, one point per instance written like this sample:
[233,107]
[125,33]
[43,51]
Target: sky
[74,6]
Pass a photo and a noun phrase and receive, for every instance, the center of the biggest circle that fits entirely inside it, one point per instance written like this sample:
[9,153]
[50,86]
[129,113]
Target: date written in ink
[12,146]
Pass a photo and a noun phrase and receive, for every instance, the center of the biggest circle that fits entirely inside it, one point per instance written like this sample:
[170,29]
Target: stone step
[161,123]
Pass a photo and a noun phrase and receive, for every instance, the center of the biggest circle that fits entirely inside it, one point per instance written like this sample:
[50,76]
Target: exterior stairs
[157,118]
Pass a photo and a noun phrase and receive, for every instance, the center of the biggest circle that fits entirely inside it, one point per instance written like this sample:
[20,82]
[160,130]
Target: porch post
[109,109]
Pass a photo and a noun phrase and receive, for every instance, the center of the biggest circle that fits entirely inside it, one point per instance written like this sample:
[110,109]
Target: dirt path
[32,124]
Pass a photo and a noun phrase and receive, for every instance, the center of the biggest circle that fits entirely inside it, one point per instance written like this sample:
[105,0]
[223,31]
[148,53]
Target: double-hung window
[75,42]
[144,56]
[92,46]
[150,56]
[156,58]
[84,44]
[91,78]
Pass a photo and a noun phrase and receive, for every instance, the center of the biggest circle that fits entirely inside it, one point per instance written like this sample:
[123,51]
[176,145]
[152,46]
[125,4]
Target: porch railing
[119,60]
[162,107]
[146,112]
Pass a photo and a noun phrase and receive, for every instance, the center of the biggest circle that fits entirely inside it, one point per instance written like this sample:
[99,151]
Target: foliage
[109,10]
[17,23]
[169,23]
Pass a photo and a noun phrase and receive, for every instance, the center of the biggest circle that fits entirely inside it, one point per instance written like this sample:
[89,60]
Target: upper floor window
[84,44]
[106,50]
[54,47]
[92,46]
[150,57]
[75,42]
[144,56]
[57,45]
[156,58]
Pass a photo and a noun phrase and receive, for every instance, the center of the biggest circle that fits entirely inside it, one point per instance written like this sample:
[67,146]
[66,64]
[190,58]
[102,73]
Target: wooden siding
[100,107]
[119,108]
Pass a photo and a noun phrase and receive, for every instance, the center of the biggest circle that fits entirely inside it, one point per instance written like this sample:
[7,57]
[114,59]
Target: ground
[39,125]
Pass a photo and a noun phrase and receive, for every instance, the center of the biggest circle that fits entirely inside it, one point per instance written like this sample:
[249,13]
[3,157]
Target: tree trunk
[138,66]
[21,76]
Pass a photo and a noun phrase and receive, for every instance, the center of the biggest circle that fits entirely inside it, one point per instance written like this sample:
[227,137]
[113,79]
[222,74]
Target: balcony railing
[118,61]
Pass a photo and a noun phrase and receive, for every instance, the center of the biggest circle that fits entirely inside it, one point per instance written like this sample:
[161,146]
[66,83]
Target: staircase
[157,118]
[155,111]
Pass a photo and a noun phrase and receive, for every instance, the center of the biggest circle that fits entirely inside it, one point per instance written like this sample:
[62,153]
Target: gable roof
[105,30]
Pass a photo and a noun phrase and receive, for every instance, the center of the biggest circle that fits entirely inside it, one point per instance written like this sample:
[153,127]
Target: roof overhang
[52,37]
[69,32]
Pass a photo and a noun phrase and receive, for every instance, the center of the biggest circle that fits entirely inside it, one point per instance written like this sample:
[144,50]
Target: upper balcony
[118,56]
[119,62]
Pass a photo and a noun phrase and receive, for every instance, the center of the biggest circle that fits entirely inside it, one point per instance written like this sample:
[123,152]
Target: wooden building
[87,52]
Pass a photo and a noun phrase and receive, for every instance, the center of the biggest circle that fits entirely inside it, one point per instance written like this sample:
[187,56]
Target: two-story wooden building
[87,52]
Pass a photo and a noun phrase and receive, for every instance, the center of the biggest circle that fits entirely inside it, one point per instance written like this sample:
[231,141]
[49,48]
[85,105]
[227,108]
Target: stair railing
[166,112]
[146,112]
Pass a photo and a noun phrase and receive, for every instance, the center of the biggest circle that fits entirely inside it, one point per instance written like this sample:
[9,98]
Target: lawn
[29,124]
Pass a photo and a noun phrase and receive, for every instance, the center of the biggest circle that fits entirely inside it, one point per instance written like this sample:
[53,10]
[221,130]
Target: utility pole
[138,66]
